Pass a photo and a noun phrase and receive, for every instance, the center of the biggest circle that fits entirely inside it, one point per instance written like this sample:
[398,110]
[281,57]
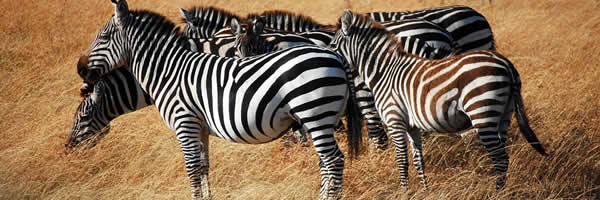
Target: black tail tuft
[353,118]
[520,113]
[524,125]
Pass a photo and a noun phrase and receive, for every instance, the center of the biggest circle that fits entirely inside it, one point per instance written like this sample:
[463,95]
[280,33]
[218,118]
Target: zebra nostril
[82,68]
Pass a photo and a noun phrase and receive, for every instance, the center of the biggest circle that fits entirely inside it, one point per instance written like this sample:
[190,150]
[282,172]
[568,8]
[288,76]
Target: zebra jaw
[85,140]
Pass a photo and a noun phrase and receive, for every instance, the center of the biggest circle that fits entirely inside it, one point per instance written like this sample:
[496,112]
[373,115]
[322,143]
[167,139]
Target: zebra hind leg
[493,140]
[331,162]
[193,140]
[417,152]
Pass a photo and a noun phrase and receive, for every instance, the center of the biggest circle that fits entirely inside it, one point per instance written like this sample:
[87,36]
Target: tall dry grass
[554,44]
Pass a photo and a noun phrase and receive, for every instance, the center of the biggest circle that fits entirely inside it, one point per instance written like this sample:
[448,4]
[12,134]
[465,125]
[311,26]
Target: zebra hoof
[378,145]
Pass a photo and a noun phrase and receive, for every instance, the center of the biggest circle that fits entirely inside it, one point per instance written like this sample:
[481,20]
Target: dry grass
[554,44]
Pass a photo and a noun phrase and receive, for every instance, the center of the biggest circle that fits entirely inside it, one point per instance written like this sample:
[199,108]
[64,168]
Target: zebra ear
[121,9]
[189,18]
[236,28]
[346,21]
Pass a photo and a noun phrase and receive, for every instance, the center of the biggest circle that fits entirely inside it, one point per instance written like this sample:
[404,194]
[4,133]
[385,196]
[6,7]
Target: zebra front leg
[399,137]
[417,152]
[331,162]
[366,102]
[193,139]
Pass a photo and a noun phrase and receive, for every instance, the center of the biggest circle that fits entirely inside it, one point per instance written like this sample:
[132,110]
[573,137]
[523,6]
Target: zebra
[121,94]
[260,96]
[257,41]
[124,94]
[480,89]
[469,28]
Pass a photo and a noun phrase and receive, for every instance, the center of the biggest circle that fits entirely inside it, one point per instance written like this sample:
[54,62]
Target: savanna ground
[554,44]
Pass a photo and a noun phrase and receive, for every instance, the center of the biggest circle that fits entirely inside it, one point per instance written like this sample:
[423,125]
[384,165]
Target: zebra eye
[104,37]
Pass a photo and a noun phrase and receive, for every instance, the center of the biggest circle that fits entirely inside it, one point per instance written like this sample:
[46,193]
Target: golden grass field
[555,45]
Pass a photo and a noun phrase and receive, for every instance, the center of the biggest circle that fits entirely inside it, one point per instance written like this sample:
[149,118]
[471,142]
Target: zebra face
[342,40]
[89,124]
[206,22]
[249,43]
[107,50]
[192,25]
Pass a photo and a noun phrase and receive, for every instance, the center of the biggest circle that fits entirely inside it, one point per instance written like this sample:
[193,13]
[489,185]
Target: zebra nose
[82,69]
[85,89]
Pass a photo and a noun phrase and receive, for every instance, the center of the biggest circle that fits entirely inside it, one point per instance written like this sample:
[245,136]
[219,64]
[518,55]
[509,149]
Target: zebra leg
[301,135]
[193,139]
[398,135]
[417,152]
[366,103]
[493,141]
[377,135]
[331,162]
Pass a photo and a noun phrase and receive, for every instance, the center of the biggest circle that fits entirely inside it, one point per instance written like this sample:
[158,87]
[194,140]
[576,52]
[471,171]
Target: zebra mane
[163,25]
[202,13]
[273,17]
[375,29]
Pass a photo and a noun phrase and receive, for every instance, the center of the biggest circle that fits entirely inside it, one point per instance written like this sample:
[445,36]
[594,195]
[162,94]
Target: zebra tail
[353,118]
[522,117]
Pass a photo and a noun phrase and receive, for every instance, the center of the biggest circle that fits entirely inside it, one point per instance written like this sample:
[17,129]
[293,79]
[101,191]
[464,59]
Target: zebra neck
[381,56]
[116,104]
[156,59]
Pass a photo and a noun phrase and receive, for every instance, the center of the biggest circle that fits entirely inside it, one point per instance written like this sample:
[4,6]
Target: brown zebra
[479,89]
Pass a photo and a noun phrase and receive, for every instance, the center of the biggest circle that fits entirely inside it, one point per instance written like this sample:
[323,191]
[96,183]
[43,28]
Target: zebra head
[340,37]
[107,51]
[355,35]
[249,43]
[90,122]
[205,23]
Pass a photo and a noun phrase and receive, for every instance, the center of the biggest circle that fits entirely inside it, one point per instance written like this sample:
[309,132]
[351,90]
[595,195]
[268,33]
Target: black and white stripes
[252,100]
[469,28]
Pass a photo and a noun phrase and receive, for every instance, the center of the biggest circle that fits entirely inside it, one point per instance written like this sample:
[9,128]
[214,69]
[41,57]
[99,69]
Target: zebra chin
[86,141]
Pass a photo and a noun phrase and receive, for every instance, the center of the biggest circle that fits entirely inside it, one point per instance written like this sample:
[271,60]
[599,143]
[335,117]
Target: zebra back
[286,21]
[426,31]
[258,41]
[468,27]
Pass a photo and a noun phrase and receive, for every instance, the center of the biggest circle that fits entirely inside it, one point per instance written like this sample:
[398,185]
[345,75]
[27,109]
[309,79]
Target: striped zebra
[123,94]
[251,100]
[480,89]
[469,28]
[120,94]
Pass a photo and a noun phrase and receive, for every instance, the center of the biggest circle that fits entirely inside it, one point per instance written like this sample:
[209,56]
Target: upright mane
[272,17]
[203,13]
[163,26]
[375,30]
